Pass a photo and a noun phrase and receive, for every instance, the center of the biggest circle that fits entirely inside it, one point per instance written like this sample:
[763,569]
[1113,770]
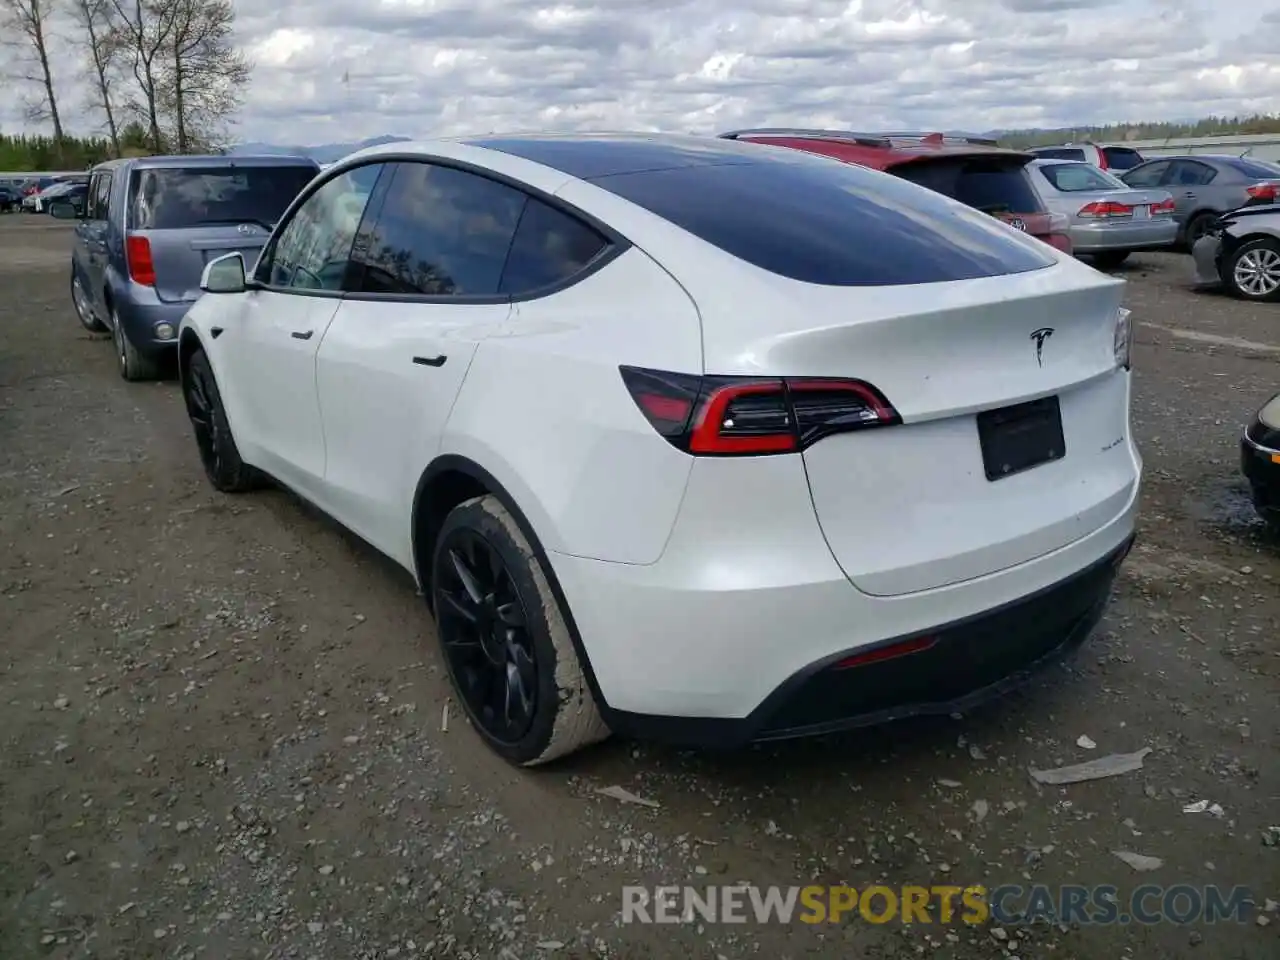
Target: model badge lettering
[1040,336]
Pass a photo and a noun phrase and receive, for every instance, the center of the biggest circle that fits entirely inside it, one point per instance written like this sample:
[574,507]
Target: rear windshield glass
[1252,168]
[992,186]
[1075,177]
[174,199]
[1121,158]
[830,223]
[1060,153]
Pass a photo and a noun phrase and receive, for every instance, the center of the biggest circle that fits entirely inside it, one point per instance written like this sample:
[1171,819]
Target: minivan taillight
[138,254]
[727,416]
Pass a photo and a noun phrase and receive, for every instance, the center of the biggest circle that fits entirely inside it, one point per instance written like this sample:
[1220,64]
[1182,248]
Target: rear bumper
[1134,236]
[142,321]
[969,662]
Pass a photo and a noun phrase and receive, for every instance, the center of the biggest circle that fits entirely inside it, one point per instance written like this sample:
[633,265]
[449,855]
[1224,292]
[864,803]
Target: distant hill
[325,153]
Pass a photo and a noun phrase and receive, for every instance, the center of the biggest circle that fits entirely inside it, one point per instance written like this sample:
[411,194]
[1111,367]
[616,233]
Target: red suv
[972,170]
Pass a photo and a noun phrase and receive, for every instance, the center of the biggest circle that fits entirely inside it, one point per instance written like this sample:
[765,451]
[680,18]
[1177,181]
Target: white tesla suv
[683,438]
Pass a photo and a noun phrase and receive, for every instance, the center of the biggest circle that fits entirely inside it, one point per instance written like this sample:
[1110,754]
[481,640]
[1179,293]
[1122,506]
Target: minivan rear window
[994,186]
[830,223]
[1121,158]
[174,198]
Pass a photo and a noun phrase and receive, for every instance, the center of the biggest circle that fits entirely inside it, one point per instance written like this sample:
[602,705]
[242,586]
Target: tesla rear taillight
[1263,192]
[141,269]
[727,416]
[1104,210]
[1162,209]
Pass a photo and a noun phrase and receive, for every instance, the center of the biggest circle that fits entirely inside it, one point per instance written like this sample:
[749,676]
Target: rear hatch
[191,215]
[996,184]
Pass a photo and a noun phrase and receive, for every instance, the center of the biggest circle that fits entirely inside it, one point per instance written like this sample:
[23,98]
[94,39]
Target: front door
[297,289]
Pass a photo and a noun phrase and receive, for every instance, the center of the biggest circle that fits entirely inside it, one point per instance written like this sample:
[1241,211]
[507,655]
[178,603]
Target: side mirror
[63,210]
[224,275]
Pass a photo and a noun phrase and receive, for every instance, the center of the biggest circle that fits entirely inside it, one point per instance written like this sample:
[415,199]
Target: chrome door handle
[300,335]
[431,361]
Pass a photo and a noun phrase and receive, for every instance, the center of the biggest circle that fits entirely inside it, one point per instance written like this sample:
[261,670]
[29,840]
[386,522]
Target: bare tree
[205,74]
[103,44]
[25,24]
[145,27]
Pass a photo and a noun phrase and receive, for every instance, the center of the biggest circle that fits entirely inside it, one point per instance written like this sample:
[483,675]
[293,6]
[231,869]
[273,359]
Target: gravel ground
[221,719]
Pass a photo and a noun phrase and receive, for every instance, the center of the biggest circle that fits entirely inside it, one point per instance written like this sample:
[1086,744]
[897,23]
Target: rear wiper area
[215,221]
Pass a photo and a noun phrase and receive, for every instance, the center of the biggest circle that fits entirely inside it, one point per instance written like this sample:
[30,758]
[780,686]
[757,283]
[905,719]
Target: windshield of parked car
[1078,177]
[172,198]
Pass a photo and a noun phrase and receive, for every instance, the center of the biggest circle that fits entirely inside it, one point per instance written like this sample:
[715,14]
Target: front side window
[313,250]
[100,197]
[1077,177]
[439,232]
[1147,175]
[176,198]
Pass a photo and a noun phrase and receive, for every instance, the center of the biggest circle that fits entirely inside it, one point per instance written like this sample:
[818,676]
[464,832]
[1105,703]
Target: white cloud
[329,71]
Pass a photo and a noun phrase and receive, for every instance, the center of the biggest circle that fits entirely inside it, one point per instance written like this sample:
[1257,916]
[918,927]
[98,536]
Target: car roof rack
[863,139]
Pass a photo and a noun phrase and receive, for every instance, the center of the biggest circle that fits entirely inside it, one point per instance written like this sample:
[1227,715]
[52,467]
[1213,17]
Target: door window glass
[439,232]
[1147,175]
[550,247]
[313,250]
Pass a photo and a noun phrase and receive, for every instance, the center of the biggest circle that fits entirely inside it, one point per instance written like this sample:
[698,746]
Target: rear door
[425,290]
[191,215]
[91,240]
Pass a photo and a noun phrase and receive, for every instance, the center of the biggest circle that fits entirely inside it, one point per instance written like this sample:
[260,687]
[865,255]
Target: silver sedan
[1107,219]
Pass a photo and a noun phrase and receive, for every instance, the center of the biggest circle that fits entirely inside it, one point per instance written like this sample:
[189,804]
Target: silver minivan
[149,226]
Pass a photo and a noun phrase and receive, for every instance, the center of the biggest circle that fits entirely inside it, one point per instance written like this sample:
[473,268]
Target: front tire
[218,452]
[505,640]
[1110,259]
[133,365]
[1252,271]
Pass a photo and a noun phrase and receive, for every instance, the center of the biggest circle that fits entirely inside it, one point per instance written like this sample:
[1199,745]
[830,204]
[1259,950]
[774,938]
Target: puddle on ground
[1229,509]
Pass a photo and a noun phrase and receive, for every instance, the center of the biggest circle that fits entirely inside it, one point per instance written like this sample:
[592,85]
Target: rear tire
[509,626]
[1252,271]
[1110,259]
[133,365]
[218,452]
[84,310]
[1196,228]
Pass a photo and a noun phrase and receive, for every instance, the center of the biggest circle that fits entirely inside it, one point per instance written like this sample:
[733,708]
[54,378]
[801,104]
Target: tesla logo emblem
[1018,224]
[1040,336]
[247,228]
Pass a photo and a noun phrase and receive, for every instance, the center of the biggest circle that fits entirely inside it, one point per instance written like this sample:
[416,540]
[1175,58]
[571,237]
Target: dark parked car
[10,199]
[1260,455]
[150,226]
[1241,251]
[1205,186]
[976,171]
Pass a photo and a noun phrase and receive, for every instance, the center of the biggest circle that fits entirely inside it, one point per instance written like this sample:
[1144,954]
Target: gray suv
[150,225]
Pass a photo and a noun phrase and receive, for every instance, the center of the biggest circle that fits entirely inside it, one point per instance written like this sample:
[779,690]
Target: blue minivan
[149,227]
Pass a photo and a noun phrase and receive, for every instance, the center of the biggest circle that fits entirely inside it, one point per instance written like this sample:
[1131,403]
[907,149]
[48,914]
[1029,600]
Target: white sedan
[683,438]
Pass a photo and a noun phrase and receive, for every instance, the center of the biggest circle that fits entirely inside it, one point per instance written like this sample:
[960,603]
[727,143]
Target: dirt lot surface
[221,737]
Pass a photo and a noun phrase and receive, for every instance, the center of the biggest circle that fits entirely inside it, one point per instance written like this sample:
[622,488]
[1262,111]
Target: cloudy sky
[338,71]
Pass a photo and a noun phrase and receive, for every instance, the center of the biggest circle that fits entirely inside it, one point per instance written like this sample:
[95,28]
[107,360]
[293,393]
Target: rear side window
[1060,153]
[1076,177]
[994,187]
[440,232]
[172,198]
[550,247]
[829,223]
[1121,158]
[1148,175]
[1254,169]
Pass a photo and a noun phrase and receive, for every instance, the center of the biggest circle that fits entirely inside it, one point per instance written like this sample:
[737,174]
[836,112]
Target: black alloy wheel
[218,453]
[484,627]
